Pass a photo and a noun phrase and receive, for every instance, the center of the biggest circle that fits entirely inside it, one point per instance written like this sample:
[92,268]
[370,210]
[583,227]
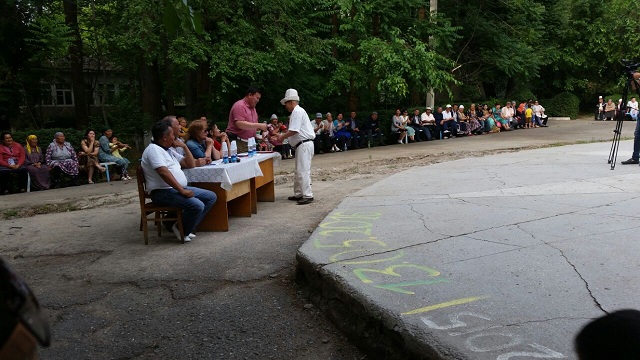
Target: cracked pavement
[232,295]
[497,257]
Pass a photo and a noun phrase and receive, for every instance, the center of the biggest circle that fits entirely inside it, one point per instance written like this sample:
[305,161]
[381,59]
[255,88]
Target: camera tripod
[630,69]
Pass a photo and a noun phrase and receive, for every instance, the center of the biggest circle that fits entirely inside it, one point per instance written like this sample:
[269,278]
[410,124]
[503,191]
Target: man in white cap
[599,115]
[301,136]
[322,143]
[448,124]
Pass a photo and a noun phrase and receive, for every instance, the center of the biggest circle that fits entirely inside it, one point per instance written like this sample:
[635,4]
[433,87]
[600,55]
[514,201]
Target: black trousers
[7,174]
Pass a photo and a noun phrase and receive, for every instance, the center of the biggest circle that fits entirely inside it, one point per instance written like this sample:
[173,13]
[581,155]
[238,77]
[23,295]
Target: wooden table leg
[236,202]
[265,184]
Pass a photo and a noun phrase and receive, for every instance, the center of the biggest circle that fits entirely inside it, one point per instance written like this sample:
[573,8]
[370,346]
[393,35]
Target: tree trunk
[150,88]
[204,90]
[335,25]
[169,98]
[511,84]
[191,93]
[489,89]
[76,57]
[353,97]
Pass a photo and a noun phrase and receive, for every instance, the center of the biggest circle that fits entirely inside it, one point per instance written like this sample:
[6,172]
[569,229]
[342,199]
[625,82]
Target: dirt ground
[226,295]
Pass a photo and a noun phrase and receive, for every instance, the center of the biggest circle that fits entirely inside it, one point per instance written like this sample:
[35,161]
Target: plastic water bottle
[254,146]
[251,146]
[234,152]
[225,153]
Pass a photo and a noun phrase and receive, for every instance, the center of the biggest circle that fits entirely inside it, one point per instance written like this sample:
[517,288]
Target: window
[64,94]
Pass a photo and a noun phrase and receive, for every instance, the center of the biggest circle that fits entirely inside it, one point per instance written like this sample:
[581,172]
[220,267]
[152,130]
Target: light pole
[433,8]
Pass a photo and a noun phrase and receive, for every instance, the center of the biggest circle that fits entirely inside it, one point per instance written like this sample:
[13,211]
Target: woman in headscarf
[88,157]
[35,163]
[11,162]
[62,158]
[105,155]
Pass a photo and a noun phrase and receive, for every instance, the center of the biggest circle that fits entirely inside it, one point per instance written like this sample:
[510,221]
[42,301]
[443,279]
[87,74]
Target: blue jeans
[636,141]
[537,120]
[193,209]
[452,126]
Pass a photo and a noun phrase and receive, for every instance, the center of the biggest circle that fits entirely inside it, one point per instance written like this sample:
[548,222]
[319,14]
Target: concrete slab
[505,256]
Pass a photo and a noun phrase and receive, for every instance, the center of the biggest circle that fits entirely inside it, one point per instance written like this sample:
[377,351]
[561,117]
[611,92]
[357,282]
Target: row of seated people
[46,168]
[340,134]
[609,110]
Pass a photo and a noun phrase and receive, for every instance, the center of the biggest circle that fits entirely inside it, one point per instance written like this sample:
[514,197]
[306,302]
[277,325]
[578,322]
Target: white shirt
[538,110]
[179,150]
[447,114]
[507,112]
[427,118]
[300,123]
[633,105]
[154,157]
[324,126]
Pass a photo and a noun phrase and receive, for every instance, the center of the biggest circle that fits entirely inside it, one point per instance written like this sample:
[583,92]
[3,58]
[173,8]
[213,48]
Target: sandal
[89,182]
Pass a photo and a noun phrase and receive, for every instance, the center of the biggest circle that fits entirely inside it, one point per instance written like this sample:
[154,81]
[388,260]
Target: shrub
[523,95]
[614,97]
[563,104]
[45,136]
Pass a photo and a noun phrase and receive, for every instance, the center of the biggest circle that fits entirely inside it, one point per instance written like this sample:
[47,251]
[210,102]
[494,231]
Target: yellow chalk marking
[445,304]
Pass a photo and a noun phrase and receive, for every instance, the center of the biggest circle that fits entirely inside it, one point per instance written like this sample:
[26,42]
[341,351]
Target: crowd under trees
[197,59]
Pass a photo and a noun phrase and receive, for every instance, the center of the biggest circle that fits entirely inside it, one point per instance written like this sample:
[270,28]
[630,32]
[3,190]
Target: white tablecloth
[264,156]
[225,174]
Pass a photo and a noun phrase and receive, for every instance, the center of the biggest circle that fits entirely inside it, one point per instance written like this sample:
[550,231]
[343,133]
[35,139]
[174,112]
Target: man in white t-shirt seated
[167,184]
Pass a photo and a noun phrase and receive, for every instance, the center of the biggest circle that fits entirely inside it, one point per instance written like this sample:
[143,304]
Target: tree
[76,59]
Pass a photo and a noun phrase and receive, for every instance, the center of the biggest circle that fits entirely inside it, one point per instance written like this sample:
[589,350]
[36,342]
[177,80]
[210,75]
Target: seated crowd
[340,134]
[45,168]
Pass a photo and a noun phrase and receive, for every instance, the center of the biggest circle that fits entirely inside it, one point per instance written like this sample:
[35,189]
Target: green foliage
[50,38]
[340,55]
[523,95]
[563,104]
[45,136]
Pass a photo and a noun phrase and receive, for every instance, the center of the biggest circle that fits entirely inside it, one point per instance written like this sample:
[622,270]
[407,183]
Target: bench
[106,166]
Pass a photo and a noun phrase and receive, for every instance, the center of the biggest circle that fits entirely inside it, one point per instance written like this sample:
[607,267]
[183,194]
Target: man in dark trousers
[422,133]
[439,117]
[357,136]
[372,128]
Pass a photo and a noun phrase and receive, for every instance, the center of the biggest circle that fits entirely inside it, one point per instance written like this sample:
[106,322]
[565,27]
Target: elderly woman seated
[202,147]
[61,158]
[11,162]
[35,163]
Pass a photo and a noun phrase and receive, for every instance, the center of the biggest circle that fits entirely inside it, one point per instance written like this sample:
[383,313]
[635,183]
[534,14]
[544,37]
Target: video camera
[631,66]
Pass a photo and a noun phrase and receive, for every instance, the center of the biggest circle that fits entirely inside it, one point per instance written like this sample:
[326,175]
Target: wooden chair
[147,208]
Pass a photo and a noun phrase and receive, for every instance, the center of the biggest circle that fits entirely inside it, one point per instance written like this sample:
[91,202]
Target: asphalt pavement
[500,257]
[487,256]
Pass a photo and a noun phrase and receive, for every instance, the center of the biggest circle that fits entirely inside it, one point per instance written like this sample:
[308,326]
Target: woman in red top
[11,162]
[218,137]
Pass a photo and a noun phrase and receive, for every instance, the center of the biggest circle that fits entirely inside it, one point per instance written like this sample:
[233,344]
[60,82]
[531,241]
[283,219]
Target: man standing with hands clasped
[301,133]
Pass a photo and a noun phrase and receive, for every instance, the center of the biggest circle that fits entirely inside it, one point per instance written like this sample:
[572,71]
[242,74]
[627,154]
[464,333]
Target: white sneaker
[176,232]
[191,235]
